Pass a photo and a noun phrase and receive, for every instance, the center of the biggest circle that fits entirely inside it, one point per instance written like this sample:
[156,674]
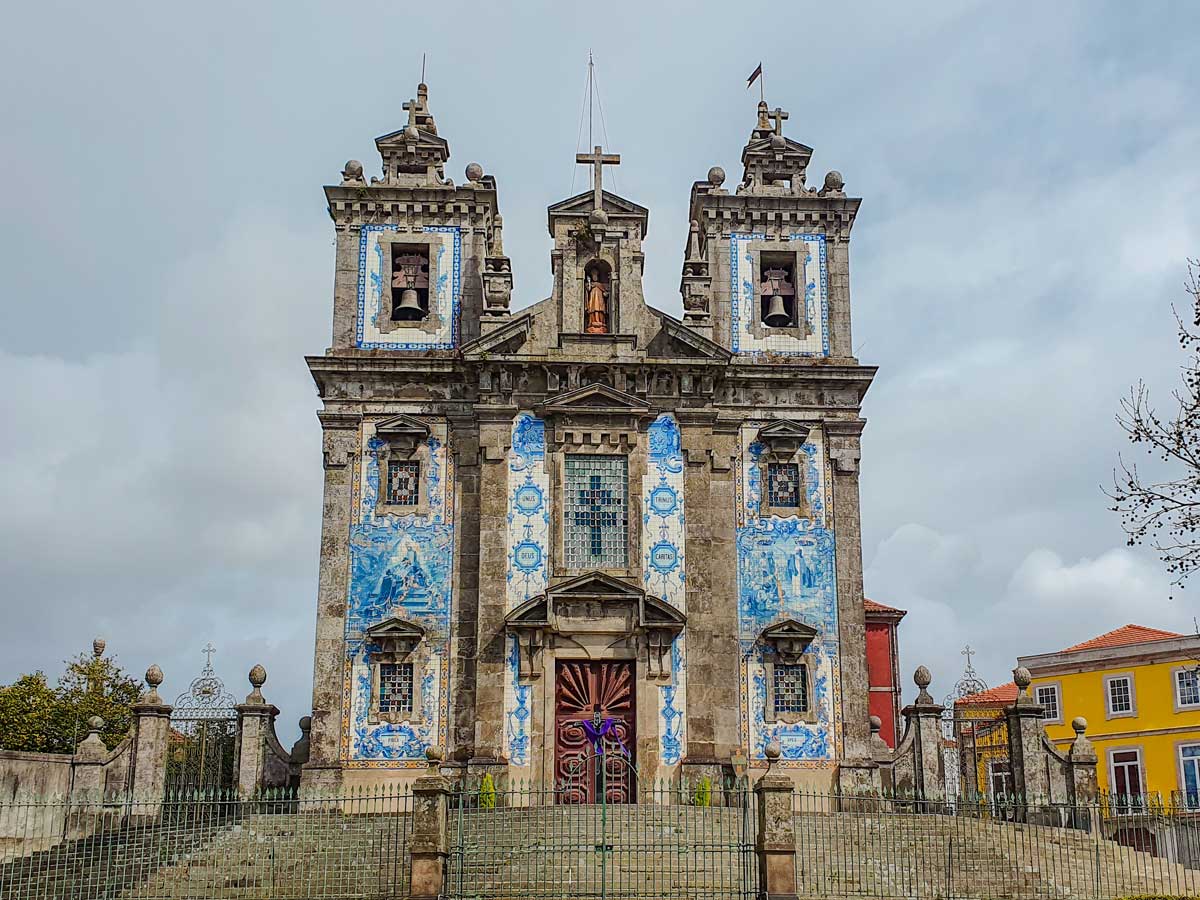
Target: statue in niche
[596,306]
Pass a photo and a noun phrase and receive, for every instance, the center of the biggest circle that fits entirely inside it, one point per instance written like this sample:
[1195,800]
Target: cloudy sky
[1030,183]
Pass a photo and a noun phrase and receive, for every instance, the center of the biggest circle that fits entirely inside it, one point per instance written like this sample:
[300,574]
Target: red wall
[881,668]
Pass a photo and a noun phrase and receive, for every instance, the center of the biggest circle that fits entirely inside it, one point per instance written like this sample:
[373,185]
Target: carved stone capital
[338,447]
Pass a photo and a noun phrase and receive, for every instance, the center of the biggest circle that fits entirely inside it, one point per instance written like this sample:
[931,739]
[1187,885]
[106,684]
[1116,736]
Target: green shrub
[703,795]
[487,792]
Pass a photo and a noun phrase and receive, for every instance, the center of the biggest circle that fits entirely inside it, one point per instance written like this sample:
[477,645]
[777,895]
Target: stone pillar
[1026,755]
[152,729]
[1081,778]
[464,630]
[254,720]
[323,772]
[87,782]
[431,795]
[924,717]
[776,842]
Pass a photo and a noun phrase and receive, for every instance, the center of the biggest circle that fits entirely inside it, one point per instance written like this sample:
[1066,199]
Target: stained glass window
[396,687]
[595,499]
[791,688]
[783,484]
[403,487]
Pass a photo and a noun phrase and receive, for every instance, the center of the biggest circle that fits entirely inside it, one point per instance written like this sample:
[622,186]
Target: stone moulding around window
[1180,706]
[778,251]
[783,441]
[397,641]
[1108,710]
[406,438]
[431,323]
[790,643]
[1058,694]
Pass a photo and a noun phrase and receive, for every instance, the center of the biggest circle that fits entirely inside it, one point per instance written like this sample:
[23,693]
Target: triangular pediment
[582,204]
[596,398]
[695,345]
[790,629]
[395,628]
[661,614]
[530,614]
[402,426]
[400,139]
[785,430]
[598,585]
[504,339]
[765,145]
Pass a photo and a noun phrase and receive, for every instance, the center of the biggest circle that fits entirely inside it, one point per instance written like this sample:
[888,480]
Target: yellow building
[1139,691]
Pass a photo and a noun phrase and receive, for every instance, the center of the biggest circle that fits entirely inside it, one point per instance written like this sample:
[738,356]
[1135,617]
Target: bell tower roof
[415,154]
[773,163]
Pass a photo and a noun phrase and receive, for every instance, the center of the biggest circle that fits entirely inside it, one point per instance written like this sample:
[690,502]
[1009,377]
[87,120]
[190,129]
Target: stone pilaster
[464,633]
[152,729]
[431,794]
[254,720]
[776,841]
[490,667]
[1026,755]
[322,772]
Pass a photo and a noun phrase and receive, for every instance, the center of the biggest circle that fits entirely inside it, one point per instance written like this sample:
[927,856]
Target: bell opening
[410,282]
[777,290]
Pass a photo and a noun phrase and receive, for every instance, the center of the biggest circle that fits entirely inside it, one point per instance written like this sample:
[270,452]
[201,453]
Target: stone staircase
[898,856]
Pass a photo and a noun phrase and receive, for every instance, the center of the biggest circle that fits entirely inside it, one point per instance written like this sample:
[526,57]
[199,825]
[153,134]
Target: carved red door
[584,689]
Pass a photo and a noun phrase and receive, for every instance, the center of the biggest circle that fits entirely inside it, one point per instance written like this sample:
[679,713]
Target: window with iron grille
[1120,695]
[783,485]
[395,687]
[791,688]
[595,500]
[1047,698]
[1187,687]
[403,482]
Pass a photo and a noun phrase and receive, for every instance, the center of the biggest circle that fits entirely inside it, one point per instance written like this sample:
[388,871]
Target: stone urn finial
[98,646]
[1079,724]
[876,725]
[474,172]
[154,677]
[95,723]
[923,678]
[716,176]
[771,752]
[1022,678]
[434,757]
[91,749]
[258,677]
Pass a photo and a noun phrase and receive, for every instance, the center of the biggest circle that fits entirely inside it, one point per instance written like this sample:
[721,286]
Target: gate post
[427,872]
[776,842]
[254,718]
[1031,780]
[152,722]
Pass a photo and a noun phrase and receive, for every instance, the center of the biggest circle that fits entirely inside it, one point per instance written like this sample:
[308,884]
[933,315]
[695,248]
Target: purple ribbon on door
[596,735]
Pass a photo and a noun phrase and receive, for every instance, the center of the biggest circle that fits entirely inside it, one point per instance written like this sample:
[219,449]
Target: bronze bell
[777,316]
[410,306]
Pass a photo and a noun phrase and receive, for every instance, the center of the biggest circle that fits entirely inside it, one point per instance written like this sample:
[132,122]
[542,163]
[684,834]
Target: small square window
[1187,687]
[783,485]
[403,482]
[395,687]
[791,688]
[1120,695]
[1047,698]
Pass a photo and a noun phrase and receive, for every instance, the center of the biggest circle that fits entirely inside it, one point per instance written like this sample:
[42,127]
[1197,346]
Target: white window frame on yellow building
[1130,713]
[1058,701]
[1180,706]
[1180,746]
[1110,752]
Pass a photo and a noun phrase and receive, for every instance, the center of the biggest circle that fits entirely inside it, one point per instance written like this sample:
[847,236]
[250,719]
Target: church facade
[588,510]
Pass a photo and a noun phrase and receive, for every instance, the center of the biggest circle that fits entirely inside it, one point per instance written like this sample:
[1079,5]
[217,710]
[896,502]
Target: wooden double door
[595,692]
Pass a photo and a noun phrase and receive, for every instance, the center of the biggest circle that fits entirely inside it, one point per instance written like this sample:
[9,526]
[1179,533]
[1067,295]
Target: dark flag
[754,75]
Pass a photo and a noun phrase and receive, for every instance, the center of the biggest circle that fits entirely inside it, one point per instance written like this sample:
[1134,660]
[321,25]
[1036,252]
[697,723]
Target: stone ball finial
[771,751]
[258,677]
[778,141]
[98,646]
[876,724]
[154,677]
[95,723]
[1022,677]
[434,756]
[474,172]
[598,217]
[834,180]
[1079,723]
[922,677]
[716,176]
[305,724]
[353,171]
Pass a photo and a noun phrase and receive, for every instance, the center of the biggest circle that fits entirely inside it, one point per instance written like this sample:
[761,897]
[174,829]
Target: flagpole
[761,96]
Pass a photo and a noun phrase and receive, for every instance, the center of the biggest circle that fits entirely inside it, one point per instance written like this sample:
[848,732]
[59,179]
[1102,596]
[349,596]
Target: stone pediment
[425,141]
[506,338]
[402,430]
[789,638]
[784,437]
[597,585]
[582,204]
[596,399]
[689,343]
[395,637]
[768,145]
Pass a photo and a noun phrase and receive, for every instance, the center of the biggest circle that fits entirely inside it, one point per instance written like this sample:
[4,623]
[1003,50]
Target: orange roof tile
[1004,693]
[1126,634]
[871,606]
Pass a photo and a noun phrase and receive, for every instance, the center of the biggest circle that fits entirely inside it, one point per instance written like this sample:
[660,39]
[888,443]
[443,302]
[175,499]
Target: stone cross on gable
[411,107]
[598,160]
[780,117]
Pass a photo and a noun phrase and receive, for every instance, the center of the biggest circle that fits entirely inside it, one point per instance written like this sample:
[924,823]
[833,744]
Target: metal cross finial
[598,160]
[780,117]
[208,651]
[968,653]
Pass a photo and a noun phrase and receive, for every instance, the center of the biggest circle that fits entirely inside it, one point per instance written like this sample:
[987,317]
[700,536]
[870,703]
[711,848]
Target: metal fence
[693,840]
[196,846]
[990,847]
